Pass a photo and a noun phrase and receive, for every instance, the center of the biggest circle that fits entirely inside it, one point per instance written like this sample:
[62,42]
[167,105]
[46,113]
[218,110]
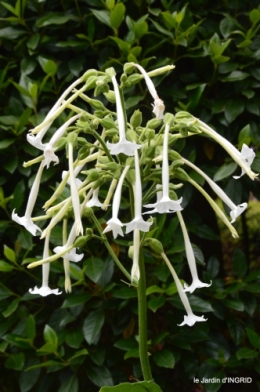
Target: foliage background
[82,341]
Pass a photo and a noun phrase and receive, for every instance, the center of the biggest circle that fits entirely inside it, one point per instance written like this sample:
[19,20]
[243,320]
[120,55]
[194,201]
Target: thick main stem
[142,320]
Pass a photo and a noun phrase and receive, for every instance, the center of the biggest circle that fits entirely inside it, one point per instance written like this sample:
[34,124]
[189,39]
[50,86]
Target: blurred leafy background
[87,339]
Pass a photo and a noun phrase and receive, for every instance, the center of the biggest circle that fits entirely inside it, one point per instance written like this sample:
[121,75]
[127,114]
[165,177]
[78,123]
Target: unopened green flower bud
[155,245]
[149,134]
[82,141]
[134,78]
[112,166]
[98,183]
[96,104]
[107,123]
[181,174]
[98,90]
[89,232]
[91,82]
[112,132]
[123,78]
[81,241]
[181,115]
[103,160]
[173,155]
[131,252]
[60,143]
[110,96]
[83,152]
[177,163]
[94,124]
[110,72]
[92,175]
[168,119]
[173,195]
[183,130]
[88,73]
[130,161]
[128,68]
[72,138]
[131,135]
[116,174]
[87,213]
[131,176]
[136,119]
[154,123]
[99,113]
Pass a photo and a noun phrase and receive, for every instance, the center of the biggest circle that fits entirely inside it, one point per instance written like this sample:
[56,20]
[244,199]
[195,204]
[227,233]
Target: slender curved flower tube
[235,210]
[135,271]
[244,158]
[110,193]
[26,220]
[138,221]
[56,218]
[45,290]
[191,318]
[165,204]
[216,208]
[74,193]
[114,224]
[123,146]
[196,283]
[158,105]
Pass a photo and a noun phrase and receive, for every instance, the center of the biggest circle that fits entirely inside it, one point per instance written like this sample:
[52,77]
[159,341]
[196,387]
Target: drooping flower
[45,290]
[165,204]
[244,158]
[71,255]
[138,221]
[196,283]
[123,146]
[114,224]
[235,210]
[135,270]
[158,105]
[94,201]
[191,318]
[26,220]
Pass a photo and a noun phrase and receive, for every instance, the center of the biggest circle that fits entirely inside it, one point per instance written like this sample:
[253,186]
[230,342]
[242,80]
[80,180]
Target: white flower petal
[165,205]
[138,223]
[44,291]
[70,255]
[237,211]
[114,225]
[191,319]
[196,284]
[26,222]
[158,108]
[50,156]
[123,147]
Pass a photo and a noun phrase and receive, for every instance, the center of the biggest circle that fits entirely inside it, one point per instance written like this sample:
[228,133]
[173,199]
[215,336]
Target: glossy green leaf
[15,361]
[239,263]
[117,15]
[93,268]
[244,353]
[92,325]
[100,376]
[70,385]
[164,358]
[50,336]
[225,171]
[55,18]
[142,386]
[156,303]
[75,300]
[5,267]
[11,308]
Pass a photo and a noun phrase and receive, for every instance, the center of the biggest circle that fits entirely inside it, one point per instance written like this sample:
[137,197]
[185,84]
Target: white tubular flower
[94,202]
[65,173]
[165,204]
[110,193]
[138,222]
[135,271]
[74,194]
[114,224]
[45,290]
[244,158]
[123,146]
[158,105]
[196,283]
[191,318]
[26,220]
[71,255]
[235,210]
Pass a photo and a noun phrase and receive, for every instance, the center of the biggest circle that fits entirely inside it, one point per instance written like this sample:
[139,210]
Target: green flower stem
[102,143]
[142,319]
[110,250]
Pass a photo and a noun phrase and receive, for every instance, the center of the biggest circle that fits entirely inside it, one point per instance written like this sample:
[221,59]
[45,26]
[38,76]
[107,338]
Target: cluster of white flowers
[116,159]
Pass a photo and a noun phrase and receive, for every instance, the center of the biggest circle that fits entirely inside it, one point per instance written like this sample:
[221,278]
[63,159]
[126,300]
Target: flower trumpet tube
[158,105]
[26,220]
[235,210]
[244,158]
[216,208]
[114,224]
[196,283]
[191,318]
[123,146]
[135,271]
[138,221]
[45,290]
[74,193]
[165,204]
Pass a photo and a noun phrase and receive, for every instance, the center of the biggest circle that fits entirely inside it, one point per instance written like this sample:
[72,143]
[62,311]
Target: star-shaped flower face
[94,202]
[165,205]
[237,211]
[44,291]
[114,225]
[138,223]
[124,147]
[26,222]
[247,155]
[35,141]
[196,284]
[191,319]
[70,255]
[50,156]
[158,108]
